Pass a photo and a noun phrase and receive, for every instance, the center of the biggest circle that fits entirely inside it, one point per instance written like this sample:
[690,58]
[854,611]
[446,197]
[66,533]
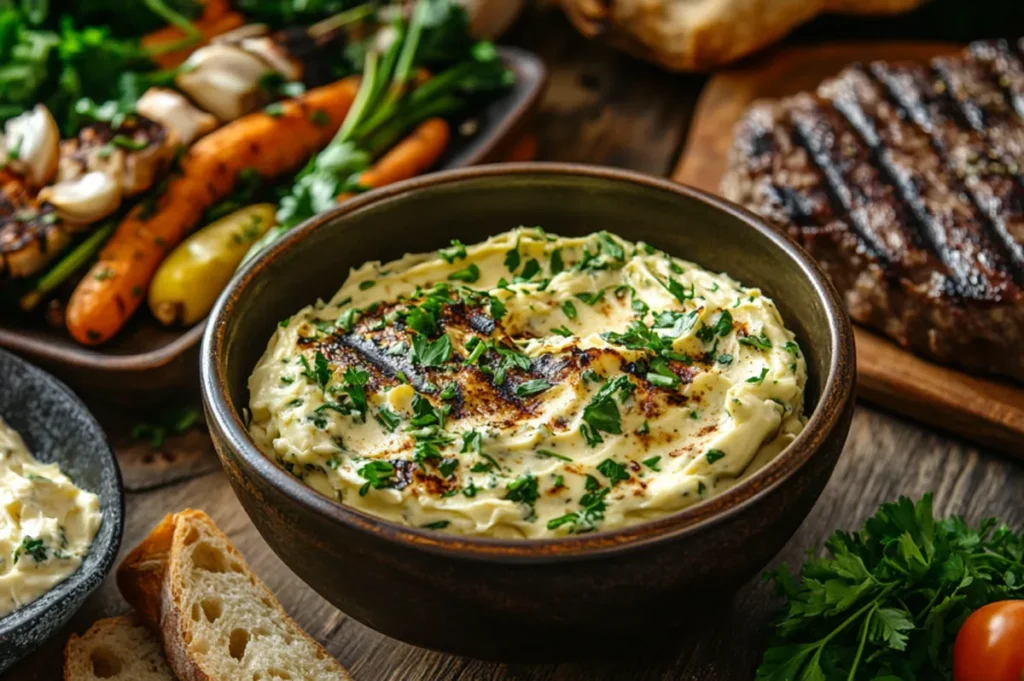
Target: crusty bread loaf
[693,35]
[116,649]
[218,621]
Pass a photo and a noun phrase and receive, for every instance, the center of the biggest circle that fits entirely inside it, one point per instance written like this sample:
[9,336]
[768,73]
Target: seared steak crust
[906,182]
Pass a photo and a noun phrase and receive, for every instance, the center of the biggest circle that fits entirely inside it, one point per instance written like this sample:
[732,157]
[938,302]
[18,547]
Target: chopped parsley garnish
[548,454]
[760,377]
[450,391]
[377,475]
[792,348]
[388,419]
[532,387]
[562,330]
[662,381]
[678,291]
[610,247]
[497,308]
[31,546]
[436,525]
[448,467]
[320,372]
[472,441]
[523,490]
[512,258]
[724,359]
[652,463]
[602,414]
[724,324]
[714,455]
[644,429]
[355,379]
[347,320]
[557,264]
[431,353]
[615,472]
[591,298]
[569,309]
[592,508]
[368,284]
[457,251]
[530,270]
[705,333]
[761,342]
[285,322]
[468,275]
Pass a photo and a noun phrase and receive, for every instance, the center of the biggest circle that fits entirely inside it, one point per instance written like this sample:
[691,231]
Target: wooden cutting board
[990,412]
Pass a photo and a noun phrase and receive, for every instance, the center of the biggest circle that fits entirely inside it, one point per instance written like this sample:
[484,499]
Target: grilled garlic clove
[182,120]
[32,145]
[224,80]
[84,200]
[269,51]
[236,36]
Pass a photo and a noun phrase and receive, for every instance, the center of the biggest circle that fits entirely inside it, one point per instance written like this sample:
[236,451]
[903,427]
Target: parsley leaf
[532,387]
[456,252]
[468,275]
[614,471]
[761,342]
[431,353]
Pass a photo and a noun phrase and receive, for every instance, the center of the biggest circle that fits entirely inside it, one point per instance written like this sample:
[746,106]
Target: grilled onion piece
[184,122]
[224,80]
[31,145]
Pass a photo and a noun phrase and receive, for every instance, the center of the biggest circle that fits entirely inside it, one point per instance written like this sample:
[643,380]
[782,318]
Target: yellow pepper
[191,278]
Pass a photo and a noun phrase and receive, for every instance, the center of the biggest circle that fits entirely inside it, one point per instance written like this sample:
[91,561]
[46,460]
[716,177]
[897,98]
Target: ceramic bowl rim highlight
[822,421]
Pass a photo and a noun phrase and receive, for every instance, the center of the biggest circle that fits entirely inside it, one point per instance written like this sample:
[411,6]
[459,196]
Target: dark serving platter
[146,360]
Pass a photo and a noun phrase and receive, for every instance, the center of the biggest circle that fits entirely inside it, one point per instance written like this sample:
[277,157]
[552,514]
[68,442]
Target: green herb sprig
[887,602]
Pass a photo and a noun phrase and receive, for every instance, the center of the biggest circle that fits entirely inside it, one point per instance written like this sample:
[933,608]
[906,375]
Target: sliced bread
[218,621]
[116,649]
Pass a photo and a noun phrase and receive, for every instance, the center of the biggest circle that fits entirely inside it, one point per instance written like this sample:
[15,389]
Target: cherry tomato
[990,645]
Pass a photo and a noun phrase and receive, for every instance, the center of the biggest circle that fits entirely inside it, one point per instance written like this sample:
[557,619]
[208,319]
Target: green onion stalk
[384,110]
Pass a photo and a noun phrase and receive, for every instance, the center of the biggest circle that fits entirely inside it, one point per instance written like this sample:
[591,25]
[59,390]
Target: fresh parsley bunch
[888,603]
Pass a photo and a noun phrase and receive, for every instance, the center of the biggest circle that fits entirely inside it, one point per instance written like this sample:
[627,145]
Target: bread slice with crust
[116,649]
[218,621]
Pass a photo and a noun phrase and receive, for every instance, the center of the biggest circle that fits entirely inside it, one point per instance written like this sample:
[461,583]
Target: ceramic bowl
[542,599]
[58,428]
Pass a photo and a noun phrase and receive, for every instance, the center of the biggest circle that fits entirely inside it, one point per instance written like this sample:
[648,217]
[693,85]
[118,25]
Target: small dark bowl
[59,429]
[543,599]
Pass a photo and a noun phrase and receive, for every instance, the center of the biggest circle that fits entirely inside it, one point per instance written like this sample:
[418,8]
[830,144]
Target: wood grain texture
[885,455]
[990,412]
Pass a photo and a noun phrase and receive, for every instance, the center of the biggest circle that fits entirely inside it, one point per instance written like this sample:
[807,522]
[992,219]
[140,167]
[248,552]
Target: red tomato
[990,645]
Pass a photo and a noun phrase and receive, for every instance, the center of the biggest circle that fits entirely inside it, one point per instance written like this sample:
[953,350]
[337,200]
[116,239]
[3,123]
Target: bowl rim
[827,415]
[82,580]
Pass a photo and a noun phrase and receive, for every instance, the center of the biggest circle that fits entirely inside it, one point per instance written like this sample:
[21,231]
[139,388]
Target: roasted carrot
[410,157]
[269,145]
[216,19]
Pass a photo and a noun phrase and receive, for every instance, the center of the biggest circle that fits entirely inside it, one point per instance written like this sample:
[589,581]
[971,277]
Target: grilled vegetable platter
[148,152]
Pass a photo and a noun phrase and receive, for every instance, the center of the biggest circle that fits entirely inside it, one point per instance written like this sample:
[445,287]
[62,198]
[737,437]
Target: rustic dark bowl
[59,429]
[545,599]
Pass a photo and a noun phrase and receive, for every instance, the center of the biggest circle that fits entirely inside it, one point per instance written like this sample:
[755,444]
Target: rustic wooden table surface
[608,109]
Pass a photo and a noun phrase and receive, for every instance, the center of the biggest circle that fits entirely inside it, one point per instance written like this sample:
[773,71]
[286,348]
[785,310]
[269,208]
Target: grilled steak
[906,183]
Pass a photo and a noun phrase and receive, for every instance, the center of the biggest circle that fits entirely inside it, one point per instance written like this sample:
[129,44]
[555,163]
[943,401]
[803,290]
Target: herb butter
[46,524]
[529,386]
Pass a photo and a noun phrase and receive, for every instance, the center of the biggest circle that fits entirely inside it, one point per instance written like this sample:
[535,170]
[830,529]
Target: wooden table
[608,109]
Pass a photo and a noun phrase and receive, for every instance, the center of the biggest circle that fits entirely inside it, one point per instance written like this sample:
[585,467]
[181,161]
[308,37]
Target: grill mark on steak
[860,191]
[953,228]
[1005,66]
[952,109]
[993,189]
